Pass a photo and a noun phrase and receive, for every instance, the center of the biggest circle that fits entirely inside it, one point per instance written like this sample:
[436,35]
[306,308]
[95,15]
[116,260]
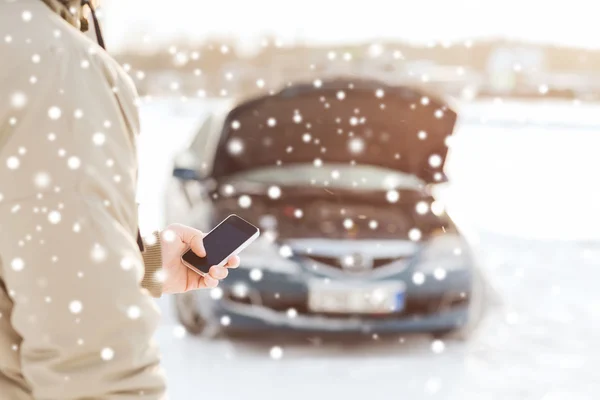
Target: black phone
[228,238]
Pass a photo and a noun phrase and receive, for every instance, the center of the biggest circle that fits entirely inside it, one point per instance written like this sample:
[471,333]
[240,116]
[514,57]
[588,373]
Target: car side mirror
[186,174]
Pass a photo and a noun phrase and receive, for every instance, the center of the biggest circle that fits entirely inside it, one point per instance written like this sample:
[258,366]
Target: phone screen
[226,238]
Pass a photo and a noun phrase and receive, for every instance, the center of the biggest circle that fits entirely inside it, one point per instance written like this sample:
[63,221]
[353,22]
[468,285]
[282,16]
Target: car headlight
[266,254]
[443,253]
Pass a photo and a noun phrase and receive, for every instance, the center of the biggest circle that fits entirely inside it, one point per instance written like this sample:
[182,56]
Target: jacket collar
[71,11]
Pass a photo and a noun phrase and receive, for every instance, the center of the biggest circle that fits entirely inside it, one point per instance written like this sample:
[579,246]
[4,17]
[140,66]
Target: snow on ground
[529,201]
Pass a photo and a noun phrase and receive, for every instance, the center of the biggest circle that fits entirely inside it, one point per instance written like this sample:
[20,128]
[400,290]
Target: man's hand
[179,278]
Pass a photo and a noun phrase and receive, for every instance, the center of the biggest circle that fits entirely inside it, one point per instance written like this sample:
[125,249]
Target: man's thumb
[197,246]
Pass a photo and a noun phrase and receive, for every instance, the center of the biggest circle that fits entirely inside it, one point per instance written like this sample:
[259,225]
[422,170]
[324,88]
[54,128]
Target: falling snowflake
[318,162]
[298,213]
[392,196]
[256,274]
[285,251]
[78,114]
[235,125]
[543,89]
[341,95]
[414,234]
[335,174]
[435,160]
[373,224]
[422,207]
[99,138]
[437,346]
[437,208]
[227,190]
[438,114]
[18,100]
[271,122]
[126,263]
[160,276]
[98,253]
[41,180]
[276,352]
[85,64]
[260,83]
[235,146]
[169,235]
[107,354]
[225,320]
[306,137]
[179,332]
[439,274]
[356,145]
[74,162]
[418,278]
[297,118]
[134,312]
[245,201]
[36,58]
[54,113]
[13,162]
[54,217]
[422,135]
[75,307]
[348,223]
[318,83]
[216,293]
[424,100]
[292,313]
[432,386]
[17,264]
[274,192]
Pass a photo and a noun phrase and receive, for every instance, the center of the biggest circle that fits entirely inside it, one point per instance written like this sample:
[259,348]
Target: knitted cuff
[152,256]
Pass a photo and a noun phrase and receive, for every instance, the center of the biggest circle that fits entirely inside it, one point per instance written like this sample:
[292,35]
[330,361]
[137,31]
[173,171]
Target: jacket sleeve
[68,222]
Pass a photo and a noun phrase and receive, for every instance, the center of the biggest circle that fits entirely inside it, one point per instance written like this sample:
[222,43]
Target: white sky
[573,22]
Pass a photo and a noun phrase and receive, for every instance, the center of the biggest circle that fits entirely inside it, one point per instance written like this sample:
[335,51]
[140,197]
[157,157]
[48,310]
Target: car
[338,174]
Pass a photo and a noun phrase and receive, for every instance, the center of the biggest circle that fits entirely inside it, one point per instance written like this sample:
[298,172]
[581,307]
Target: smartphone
[228,238]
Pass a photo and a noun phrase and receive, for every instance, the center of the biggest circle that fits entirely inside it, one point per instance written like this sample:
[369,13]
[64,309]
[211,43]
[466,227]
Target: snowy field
[525,190]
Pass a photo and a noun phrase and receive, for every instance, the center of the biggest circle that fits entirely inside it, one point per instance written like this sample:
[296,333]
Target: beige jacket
[74,320]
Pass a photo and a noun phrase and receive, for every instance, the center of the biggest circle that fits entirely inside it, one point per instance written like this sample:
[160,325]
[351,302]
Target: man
[76,318]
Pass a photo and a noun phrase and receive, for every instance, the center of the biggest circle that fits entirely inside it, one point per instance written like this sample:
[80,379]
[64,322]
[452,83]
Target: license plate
[353,298]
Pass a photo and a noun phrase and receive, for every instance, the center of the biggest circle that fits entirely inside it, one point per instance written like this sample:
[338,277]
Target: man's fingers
[218,272]
[210,282]
[188,235]
[233,262]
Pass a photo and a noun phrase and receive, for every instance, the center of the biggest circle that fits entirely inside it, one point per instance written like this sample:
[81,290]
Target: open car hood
[339,121]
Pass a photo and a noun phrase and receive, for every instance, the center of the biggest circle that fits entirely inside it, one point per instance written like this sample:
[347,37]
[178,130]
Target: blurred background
[515,318]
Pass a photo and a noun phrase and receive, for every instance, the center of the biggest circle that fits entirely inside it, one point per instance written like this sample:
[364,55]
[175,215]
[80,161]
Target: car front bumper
[280,302]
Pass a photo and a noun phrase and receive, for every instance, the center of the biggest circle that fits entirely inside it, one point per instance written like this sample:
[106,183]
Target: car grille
[336,262]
